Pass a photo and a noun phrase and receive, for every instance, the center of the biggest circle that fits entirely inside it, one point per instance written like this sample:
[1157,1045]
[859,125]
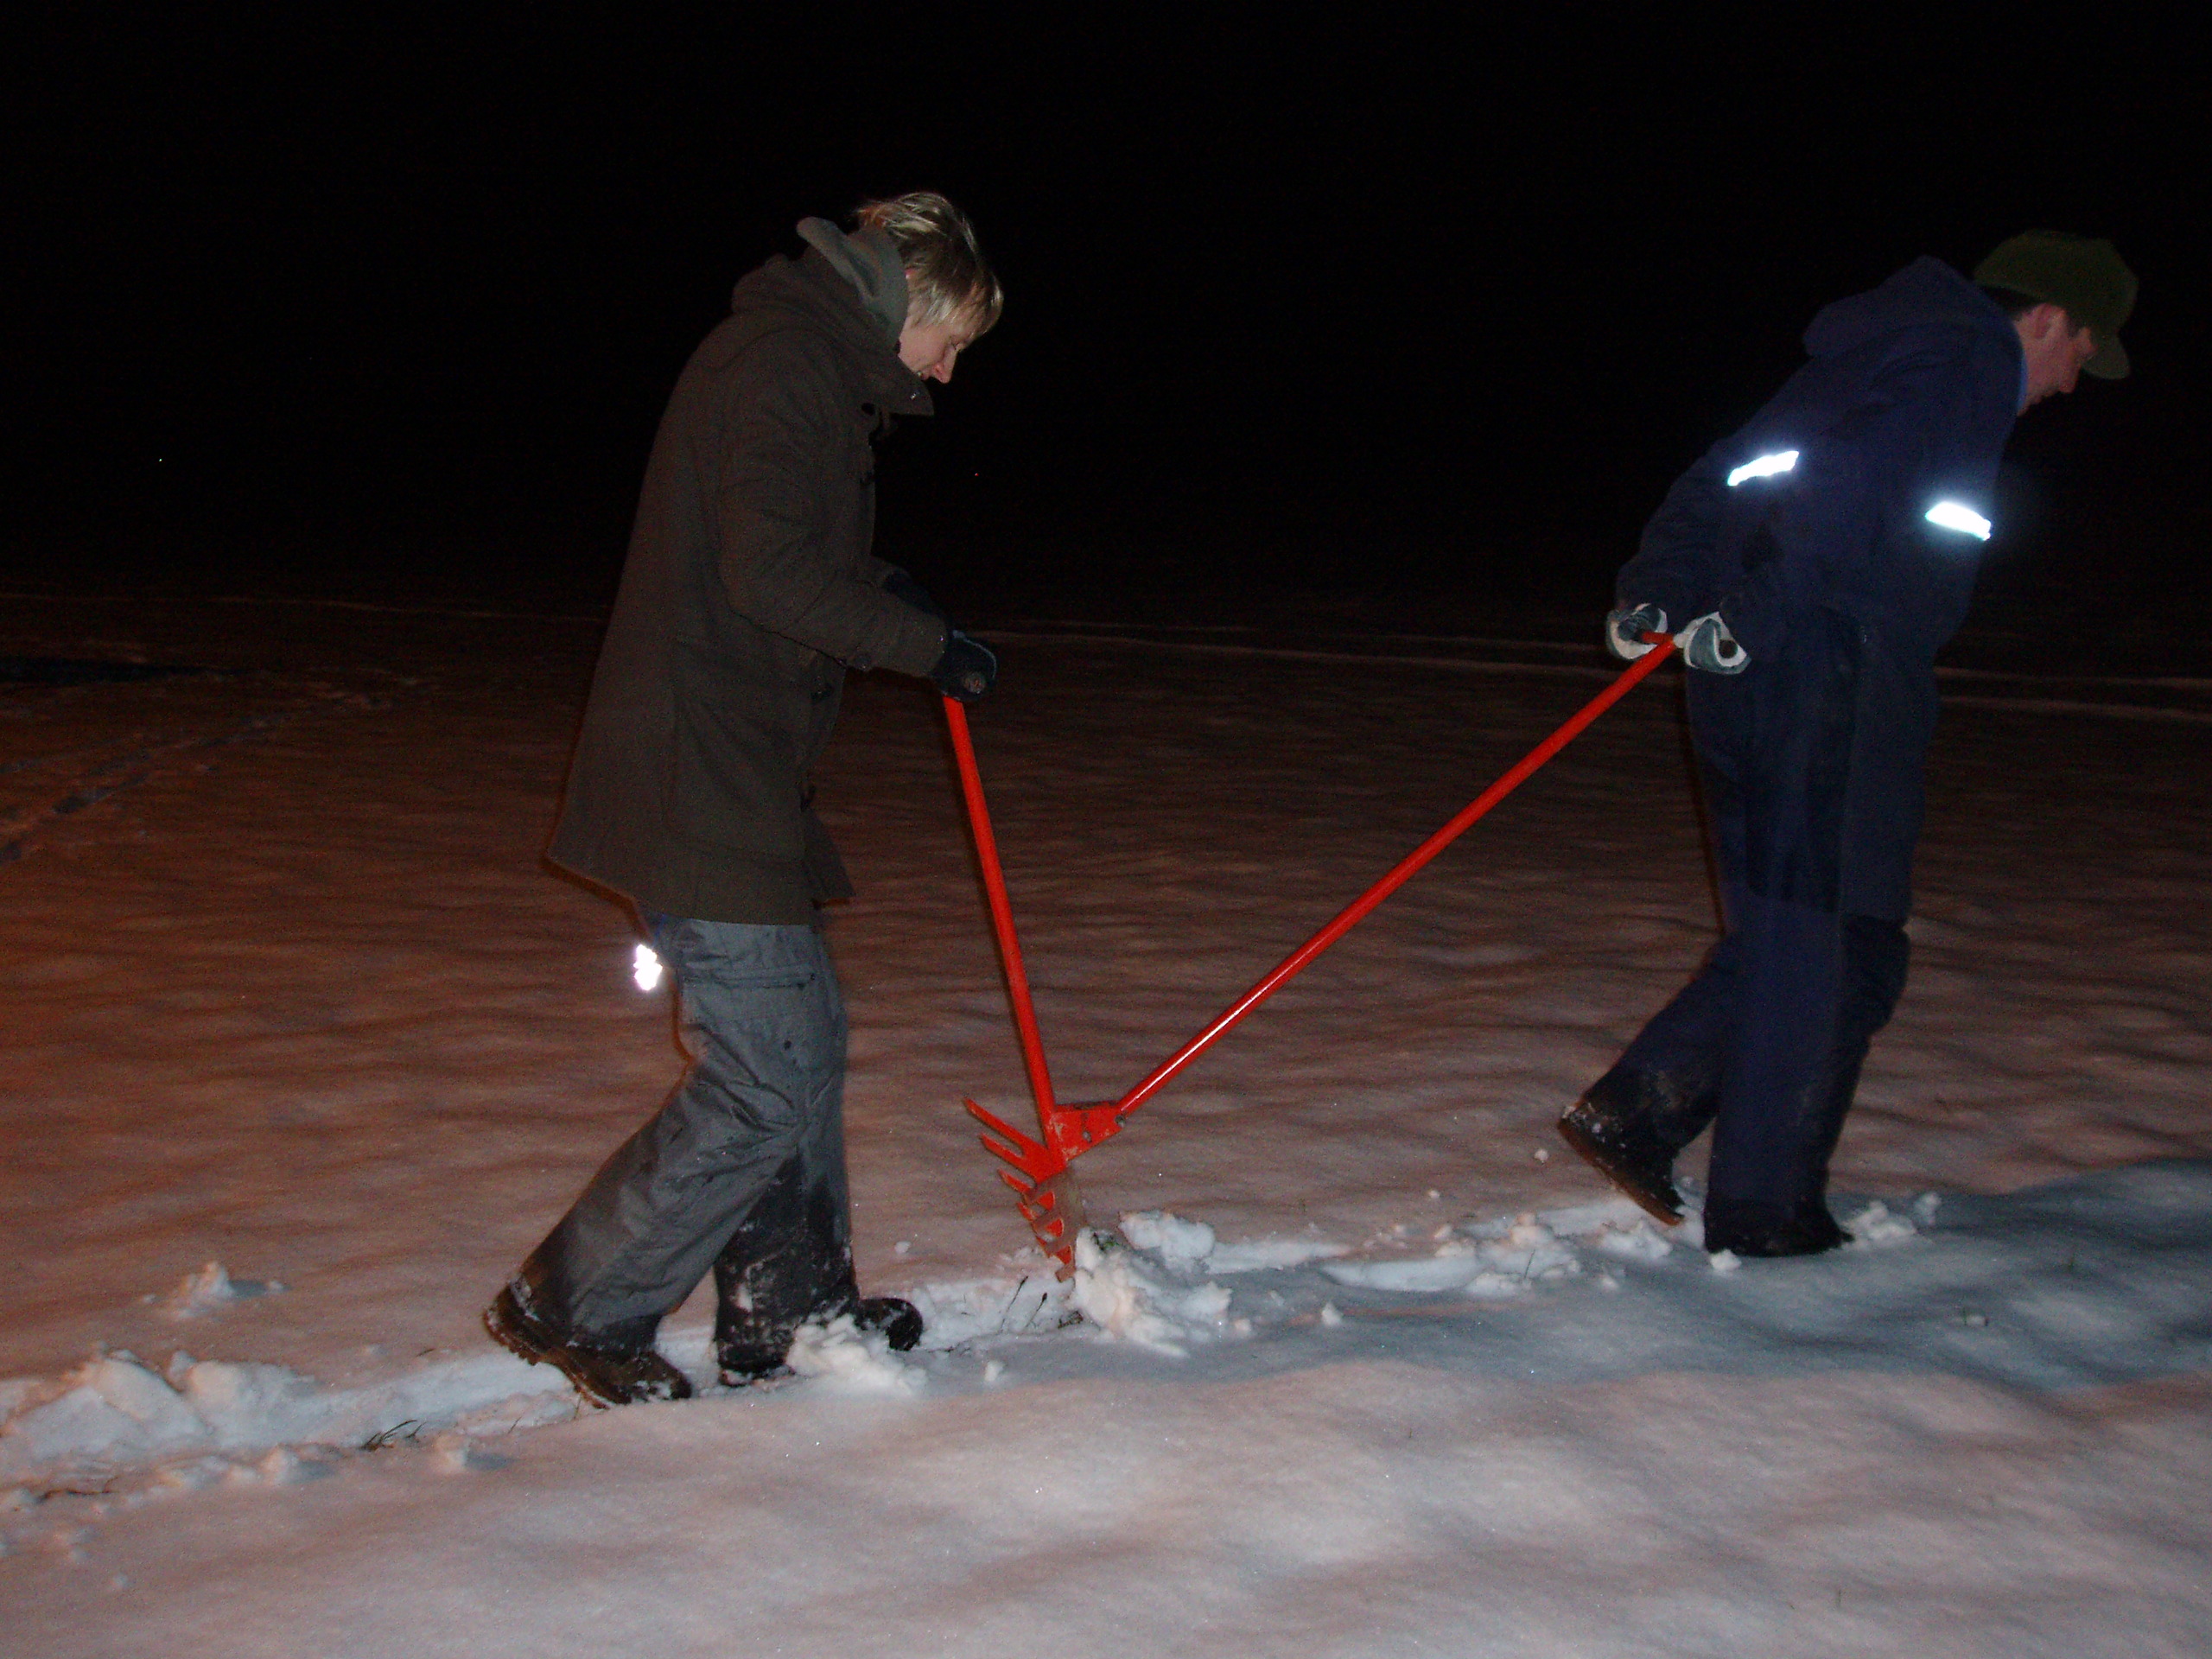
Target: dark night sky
[359,302]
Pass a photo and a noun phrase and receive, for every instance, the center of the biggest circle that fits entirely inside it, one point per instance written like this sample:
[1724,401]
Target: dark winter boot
[789,1262]
[1627,1152]
[899,1322]
[758,1354]
[606,1376]
[1754,1229]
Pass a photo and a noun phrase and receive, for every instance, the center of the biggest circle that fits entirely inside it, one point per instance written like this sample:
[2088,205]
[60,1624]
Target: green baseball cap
[2085,274]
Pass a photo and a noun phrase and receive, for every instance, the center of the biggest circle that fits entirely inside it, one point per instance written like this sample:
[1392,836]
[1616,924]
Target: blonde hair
[947,276]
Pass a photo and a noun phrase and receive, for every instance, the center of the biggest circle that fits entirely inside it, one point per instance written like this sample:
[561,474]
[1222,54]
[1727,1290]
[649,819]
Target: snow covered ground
[304,1048]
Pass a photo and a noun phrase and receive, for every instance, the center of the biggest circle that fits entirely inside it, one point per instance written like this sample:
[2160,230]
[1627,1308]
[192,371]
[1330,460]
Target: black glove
[966,670]
[1625,628]
[905,588]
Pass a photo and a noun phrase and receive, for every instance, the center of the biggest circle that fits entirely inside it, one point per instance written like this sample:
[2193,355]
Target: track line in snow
[2082,1282]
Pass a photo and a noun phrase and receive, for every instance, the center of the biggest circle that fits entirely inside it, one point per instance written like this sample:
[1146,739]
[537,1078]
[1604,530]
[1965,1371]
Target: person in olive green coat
[749,591]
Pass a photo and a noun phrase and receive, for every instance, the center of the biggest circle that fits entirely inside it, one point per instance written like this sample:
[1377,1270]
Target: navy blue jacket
[1824,559]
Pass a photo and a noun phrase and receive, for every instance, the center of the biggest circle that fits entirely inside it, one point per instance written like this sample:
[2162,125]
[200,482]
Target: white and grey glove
[1625,628]
[1705,643]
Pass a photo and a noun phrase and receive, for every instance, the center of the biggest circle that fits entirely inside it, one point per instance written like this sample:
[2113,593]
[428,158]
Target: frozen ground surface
[303,1049]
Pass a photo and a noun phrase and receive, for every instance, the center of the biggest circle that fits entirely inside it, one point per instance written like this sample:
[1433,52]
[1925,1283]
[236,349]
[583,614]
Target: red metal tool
[1040,1175]
[1047,1198]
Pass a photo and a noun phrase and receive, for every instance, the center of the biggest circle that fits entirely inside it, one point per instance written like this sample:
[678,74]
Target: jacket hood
[811,292]
[869,261]
[1926,294]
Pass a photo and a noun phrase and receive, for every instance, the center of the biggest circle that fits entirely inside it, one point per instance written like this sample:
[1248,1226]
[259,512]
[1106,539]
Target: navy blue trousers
[1765,1045]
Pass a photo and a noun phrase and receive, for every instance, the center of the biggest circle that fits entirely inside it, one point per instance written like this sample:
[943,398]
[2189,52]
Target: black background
[1418,312]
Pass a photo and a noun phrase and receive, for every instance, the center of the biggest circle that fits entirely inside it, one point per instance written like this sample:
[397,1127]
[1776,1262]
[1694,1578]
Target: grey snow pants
[742,1170]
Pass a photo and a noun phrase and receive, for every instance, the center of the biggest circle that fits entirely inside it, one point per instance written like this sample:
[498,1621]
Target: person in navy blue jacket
[1810,566]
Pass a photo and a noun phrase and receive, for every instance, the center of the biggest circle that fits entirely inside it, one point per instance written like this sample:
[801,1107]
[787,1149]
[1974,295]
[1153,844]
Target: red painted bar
[987,854]
[1404,871]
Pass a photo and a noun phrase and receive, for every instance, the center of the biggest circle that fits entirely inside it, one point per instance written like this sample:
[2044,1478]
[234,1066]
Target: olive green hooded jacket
[748,591]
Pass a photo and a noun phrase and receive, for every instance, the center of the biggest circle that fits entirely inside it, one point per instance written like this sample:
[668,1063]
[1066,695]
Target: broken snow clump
[849,1360]
[1503,1259]
[212,1287]
[1114,1294]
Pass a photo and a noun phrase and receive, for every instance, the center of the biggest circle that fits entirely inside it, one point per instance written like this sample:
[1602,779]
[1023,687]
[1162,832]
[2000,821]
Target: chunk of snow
[212,1287]
[1183,1245]
[1117,1296]
[114,1410]
[1207,1305]
[1522,1252]
[1876,1224]
[1639,1241]
[847,1360]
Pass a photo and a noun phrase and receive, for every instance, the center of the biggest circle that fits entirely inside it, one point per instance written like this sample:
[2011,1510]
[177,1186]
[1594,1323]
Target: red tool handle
[987,854]
[1296,962]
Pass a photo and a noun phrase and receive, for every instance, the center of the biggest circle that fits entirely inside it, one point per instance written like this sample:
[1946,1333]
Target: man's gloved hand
[1706,643]
[1625,628]
[966,670]
[904,589]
